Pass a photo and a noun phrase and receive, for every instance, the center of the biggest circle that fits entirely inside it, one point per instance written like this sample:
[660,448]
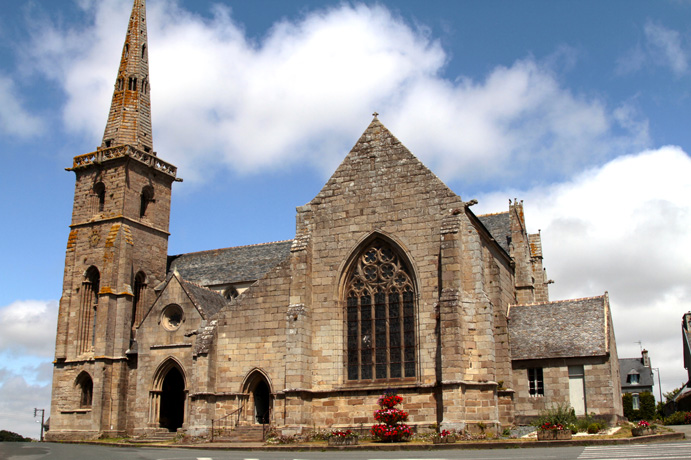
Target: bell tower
[116,254]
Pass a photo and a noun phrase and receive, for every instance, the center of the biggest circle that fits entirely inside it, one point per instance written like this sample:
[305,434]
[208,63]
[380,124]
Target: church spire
[129,120]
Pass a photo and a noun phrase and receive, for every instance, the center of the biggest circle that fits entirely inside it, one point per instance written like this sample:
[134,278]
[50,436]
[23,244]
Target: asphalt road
[50,451]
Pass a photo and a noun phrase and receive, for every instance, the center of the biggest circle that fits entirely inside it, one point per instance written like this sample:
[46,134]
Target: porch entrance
[260,400]
[172,409]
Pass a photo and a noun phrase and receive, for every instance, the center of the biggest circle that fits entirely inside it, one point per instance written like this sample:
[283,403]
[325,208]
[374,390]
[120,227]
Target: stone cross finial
[375,114]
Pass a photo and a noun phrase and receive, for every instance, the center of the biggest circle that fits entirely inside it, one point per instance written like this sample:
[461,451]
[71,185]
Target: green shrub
[593,428]
[678,418]
[646,410]
[583,424]
[559,414]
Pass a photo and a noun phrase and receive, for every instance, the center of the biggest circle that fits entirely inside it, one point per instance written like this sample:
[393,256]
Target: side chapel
[390,282]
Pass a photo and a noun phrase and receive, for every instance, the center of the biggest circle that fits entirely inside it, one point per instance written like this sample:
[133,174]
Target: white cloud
[17,401]
[662,47]
[15,120]
[304,92]
[666,47]
[27,327]
[622,228]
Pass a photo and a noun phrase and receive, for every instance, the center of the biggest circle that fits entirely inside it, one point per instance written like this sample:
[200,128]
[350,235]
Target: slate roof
[208,302]
[499,226]
[633,365]
[561,329]
[229,265]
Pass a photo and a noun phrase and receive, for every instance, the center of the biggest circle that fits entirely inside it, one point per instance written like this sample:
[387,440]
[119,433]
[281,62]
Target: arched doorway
[168,397]
[260,401]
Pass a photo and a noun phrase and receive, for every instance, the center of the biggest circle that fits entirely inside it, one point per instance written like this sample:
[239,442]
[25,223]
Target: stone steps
[158,437]
[242,433]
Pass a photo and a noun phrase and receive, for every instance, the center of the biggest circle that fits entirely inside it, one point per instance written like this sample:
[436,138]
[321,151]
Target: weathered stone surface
[391,282]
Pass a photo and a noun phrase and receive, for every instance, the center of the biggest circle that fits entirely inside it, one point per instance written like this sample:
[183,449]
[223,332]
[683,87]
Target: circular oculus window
[171,318]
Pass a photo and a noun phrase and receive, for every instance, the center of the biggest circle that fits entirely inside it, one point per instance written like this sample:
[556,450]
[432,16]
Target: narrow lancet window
[146,198]
[138,302]
[87,310]
[100,196]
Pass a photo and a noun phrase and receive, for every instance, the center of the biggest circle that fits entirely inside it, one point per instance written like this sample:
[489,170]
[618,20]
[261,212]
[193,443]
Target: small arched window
[230,293]
[132,84]
[85,387]
[147,197]
[100,194]
[380,315]
[144,52]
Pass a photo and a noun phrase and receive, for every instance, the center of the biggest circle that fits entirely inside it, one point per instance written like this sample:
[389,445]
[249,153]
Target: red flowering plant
[643,424]
[444,433]
[551,426]
[390,427]
[342,434]
[389,400]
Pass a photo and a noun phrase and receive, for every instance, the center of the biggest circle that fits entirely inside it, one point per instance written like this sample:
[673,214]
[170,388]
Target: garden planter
[342,441]
[553,435]
[641,431]
[444,440]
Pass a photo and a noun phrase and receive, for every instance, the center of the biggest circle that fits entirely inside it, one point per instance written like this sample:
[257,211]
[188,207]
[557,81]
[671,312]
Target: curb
[655,438]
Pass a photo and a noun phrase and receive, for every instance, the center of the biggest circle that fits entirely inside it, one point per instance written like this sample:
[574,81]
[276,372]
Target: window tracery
[87,310]
[380,316]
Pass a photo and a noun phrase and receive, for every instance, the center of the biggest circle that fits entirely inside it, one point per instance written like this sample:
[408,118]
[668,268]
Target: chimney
[644,358]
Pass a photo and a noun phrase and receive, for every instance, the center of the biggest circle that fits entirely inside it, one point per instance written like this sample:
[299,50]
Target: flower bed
[444,437]
[643,428]
[551,432]
[342,438]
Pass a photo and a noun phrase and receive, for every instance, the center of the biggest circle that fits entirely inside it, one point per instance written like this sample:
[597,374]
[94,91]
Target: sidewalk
[686,429]
[681,433]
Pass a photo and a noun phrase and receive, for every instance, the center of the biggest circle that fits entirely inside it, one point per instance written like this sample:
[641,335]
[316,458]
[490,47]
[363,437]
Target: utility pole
[659,385]
[43,413]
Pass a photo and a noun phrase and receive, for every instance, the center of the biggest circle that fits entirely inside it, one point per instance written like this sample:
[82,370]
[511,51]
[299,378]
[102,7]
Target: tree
[9,436]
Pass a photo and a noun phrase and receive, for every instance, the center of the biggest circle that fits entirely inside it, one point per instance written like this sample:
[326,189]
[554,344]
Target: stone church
[390,282]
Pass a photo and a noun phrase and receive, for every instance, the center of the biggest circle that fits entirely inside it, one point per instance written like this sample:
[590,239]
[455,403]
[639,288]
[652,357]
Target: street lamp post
[43,412]
[659,385]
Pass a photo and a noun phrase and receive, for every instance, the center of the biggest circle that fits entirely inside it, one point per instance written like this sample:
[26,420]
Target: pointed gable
[379,165]
[207,301]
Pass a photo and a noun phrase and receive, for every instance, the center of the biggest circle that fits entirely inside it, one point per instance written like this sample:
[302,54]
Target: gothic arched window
[380,315]
[87,310]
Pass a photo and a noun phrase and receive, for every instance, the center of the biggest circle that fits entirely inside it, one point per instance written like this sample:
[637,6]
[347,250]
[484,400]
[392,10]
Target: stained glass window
[380,316]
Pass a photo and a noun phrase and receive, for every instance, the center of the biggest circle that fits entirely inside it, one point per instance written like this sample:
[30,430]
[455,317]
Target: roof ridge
[493,214]
[557,301]
[199,286]
[232,247]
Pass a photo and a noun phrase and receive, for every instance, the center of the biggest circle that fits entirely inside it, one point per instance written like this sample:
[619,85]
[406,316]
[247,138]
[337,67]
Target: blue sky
[581,109]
